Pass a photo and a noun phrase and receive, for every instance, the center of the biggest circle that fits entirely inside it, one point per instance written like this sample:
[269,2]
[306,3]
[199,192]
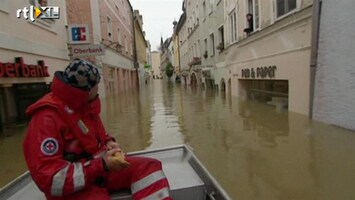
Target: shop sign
[88,50]
[259,72]
[20,69]
[79,34]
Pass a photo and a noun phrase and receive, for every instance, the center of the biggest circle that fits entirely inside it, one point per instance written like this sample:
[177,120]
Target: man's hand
[113,145]
[111,161]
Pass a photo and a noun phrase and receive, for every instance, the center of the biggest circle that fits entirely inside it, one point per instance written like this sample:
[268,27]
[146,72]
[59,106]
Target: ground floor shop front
[281,80]
[24,78]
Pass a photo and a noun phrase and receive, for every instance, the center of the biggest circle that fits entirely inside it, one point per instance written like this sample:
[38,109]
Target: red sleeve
[103,134]
[43,150]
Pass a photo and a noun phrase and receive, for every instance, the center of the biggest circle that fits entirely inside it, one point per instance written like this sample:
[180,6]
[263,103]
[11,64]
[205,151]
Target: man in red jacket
[70,155]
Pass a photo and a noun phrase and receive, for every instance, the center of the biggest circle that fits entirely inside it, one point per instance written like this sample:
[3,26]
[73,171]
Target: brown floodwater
[254,151]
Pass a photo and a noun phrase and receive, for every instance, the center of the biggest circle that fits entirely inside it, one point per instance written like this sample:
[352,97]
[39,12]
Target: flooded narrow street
[254,151]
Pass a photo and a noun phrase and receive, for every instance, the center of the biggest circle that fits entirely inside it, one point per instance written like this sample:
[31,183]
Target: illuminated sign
[20,69]
[79,34]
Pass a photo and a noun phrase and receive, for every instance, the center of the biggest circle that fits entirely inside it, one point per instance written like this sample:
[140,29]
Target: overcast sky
[158,17]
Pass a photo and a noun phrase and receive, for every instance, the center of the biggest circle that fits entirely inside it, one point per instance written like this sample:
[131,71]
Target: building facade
[165,55]
[334,85]
[30,53]
[268,48]
[252,49]
[141,47]
[110,23]
[156,73]
[182,46]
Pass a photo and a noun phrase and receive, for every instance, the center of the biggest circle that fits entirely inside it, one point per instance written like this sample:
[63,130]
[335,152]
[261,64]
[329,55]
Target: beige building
[181,45]
[156,64]
[269,56]
[110,23]
[141,47]
[176,52]
[30,53]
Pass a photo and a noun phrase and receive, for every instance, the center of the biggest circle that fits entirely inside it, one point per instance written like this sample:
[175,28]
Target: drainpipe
[314,51]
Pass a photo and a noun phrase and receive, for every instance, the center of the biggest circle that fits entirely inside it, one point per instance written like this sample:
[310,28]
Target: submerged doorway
[271,92]
[1,110]
[193,79]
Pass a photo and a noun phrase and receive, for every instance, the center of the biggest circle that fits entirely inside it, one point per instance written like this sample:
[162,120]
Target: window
[46,22]
[212,44]
[233,26]
[205,53]
[198,48]
[211,6]
[285,6]
[252,16]
[119,36]
[39,2]
[204,9]
[126,44]
[109,28]
[4,5]
[220,38]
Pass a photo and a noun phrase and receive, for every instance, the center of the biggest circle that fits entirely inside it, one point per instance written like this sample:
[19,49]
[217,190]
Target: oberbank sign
[88,50]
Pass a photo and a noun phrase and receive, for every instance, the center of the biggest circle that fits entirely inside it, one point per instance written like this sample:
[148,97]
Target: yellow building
[141,46]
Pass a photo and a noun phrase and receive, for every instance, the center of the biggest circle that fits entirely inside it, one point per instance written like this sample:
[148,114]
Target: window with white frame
[193,19]
[212,44]
[252,16]
[126,44]
[233,33]
[39,3]
[220,45]
[211,6]
[205,53]
[109,28]
[285,6]
[204,9]
[119,36]
[4,5]
[197,15]
[198,48]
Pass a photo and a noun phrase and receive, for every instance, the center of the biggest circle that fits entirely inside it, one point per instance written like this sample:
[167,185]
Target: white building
[30,53]
[334,86]
[156,64]
[270,62]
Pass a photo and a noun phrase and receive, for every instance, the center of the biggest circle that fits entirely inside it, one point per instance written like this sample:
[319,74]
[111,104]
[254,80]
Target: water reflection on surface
[254,151]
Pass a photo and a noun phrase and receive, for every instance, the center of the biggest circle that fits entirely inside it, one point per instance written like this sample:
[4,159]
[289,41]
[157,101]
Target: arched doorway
[193,81]
[229,86]
[223,85]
